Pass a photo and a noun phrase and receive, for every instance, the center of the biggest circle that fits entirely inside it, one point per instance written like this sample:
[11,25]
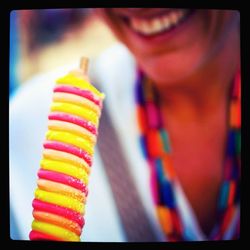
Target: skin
[193,70]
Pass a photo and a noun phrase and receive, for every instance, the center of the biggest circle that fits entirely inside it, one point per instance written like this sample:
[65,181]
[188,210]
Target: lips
[151,26]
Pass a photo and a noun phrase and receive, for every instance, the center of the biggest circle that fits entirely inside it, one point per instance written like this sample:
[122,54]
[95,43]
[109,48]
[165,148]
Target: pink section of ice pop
[59,210]
[35,235]
[74,90]
[63,178]
[68,149]
[73,119]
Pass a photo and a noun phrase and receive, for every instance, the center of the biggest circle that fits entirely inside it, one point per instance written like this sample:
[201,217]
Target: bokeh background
[44,39]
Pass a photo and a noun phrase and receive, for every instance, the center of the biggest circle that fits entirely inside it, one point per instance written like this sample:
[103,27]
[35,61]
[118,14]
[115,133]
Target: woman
[191,58]
[177,99]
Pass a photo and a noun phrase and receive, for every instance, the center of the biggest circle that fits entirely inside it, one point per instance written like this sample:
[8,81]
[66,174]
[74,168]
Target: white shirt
[29,109]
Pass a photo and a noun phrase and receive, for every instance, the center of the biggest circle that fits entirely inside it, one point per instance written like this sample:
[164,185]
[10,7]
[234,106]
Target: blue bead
[168,195]
[158,166]
[160,179]
[223,195]
[143,147]
[235,169]
[139,91]
[189,234]
[231,147]
[166,191]
[159,170]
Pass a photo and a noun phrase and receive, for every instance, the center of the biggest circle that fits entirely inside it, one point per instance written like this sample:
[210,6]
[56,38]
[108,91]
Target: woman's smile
[169,44]
[157,24]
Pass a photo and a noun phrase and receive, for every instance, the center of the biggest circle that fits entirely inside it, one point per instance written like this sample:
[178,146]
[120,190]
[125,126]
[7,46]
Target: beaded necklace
[154,141]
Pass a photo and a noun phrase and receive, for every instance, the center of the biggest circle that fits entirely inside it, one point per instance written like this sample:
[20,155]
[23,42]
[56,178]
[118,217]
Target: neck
[196,100]
[199,95]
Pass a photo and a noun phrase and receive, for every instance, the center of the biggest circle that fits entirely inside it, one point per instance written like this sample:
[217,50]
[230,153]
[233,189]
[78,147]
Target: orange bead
[168,166]
[235,114]
[142,121]
[165,219]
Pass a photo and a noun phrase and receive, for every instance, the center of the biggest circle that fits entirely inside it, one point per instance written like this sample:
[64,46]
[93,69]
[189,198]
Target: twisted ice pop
[60,197]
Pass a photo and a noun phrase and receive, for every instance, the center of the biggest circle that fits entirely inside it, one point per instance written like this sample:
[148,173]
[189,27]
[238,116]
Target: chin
[165,70]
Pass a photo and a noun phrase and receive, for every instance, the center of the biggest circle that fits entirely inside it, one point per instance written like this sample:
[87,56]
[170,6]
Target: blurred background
[41,40]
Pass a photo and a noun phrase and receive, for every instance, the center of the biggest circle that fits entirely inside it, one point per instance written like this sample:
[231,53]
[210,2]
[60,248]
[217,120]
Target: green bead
[238,143]
[165,140]
[159,169]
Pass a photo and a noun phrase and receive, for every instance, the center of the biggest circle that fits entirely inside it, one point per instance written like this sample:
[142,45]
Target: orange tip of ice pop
[84,63]
[82,71]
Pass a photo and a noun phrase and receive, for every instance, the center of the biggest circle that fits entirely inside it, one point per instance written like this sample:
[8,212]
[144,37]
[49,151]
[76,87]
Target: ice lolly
[62,184]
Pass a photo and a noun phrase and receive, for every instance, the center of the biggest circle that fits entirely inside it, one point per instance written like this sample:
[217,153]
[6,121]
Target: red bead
[232,190]
[227,218]
[176,222]
[153,143]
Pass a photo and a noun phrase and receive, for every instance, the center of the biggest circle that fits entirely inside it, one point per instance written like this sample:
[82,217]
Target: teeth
[166,22]
[145,27]
[174,17]
[158,24]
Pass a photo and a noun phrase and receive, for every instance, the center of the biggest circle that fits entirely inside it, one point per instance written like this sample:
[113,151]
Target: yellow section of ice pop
[60,200]
[65,168]
[71,139]
[71,79]
[54,230]
[73,109]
